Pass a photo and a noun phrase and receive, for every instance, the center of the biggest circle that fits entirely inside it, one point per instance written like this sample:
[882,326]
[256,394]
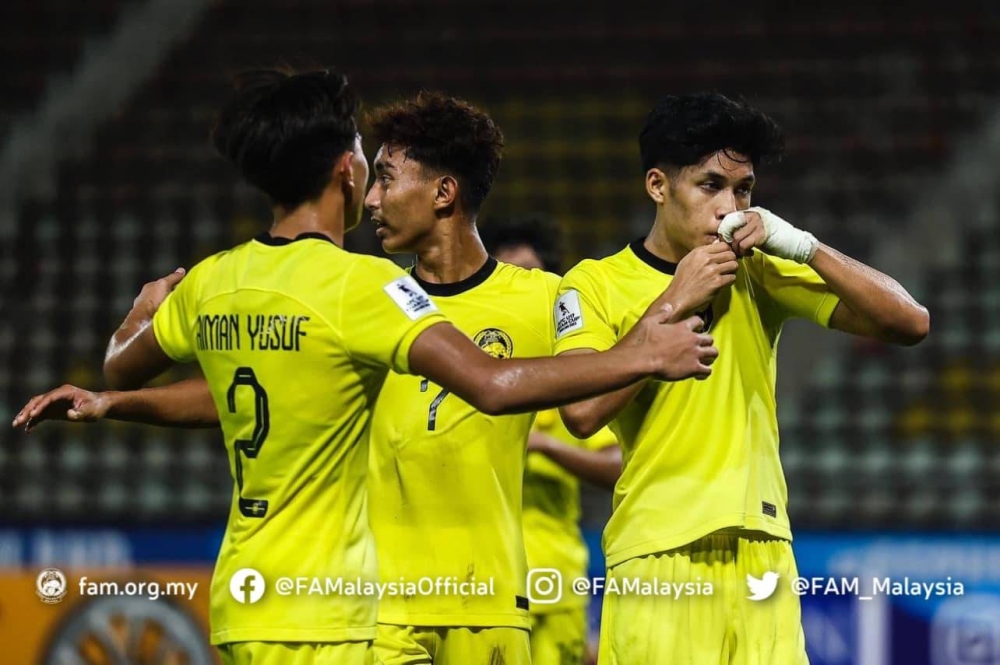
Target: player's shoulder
[526,292]
[621,261]
[761,265]
[528,278]
[206,269]
[374,265]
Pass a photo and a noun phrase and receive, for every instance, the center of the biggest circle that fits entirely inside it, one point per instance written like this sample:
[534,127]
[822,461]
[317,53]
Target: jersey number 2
[432,412]
[250,447]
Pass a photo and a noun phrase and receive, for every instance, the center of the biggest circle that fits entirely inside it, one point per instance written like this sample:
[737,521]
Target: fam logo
[50,585]
[495,342]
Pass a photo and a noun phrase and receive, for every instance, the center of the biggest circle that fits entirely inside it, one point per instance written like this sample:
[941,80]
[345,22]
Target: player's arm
[183,404]
[653,348]
[585,418]
[600,467]
[134,356]
[871,303]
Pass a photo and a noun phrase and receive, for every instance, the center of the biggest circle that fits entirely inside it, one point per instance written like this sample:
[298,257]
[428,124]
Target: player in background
[556,462]
[295,337]
[702,496]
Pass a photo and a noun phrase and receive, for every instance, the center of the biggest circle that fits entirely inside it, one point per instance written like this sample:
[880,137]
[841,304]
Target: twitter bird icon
[762,589]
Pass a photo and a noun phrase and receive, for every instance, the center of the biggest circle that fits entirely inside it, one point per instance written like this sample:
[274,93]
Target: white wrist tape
[781,239]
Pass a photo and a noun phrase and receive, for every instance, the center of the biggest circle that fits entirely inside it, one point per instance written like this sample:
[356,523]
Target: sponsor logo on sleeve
[412,299]
[567,313]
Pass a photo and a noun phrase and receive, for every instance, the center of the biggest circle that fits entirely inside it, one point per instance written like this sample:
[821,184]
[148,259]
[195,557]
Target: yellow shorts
[297,653]
[559,638]
[443,645]
[724,628]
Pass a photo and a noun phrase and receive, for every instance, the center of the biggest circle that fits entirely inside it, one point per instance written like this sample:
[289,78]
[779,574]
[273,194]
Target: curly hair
[283,130]
[445,134]
[683,129]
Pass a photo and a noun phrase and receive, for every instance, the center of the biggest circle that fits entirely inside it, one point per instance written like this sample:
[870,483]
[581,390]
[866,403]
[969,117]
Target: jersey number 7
[432,412]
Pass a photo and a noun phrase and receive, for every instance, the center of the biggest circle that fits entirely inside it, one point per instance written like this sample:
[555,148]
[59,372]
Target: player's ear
[343,176]
[343,168]
[656,185]
[446,192]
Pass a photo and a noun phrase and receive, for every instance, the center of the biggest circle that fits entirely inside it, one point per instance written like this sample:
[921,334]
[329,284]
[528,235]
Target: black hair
[534,231]
[445,134]
[284,130]
[684,129]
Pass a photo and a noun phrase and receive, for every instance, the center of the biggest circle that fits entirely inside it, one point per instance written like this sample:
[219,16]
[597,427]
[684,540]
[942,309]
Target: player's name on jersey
[262,332]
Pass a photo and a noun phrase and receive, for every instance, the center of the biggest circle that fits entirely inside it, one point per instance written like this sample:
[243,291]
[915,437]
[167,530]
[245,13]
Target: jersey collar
[267,239]
[650,259]
[455,288]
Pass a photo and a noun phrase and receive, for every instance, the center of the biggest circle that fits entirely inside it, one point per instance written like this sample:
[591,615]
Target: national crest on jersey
[495,342]
[445,475]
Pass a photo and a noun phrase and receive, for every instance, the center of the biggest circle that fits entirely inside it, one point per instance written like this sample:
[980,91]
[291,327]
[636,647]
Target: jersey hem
[401,357]
[824,311]
[679,540]
[265,633]
[158,335]
[581,341]
[458,620]
[561,606]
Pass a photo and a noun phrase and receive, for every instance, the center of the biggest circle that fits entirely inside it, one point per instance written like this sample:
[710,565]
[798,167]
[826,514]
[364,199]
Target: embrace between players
[374,428]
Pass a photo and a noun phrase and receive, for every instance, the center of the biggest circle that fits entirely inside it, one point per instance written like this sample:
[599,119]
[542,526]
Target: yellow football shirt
[295,339]
[698,456]
[552,537]
[445,479]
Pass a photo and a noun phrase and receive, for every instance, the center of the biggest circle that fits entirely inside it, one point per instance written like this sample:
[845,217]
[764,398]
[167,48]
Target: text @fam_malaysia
[546,587]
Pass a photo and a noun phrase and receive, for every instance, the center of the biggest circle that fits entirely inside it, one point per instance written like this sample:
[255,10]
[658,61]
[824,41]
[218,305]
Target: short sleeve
[580,314]
[174,321]
[797,290]
[382,311]
[552,292]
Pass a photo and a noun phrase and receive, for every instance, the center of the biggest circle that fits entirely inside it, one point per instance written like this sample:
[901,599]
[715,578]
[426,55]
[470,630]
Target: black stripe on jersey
[650,259]
[455,288]
[267,239]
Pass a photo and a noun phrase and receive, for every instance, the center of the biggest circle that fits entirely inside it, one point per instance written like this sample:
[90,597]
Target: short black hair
[446,134]
[684,129]
[535,231]
[284,130]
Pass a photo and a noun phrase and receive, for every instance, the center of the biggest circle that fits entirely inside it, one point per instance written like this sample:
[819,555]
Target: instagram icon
[544,586]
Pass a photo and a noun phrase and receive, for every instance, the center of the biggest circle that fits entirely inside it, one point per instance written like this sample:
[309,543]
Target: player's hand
[154,293]
[677,350]
[700,275]
[758,227]
[64,403]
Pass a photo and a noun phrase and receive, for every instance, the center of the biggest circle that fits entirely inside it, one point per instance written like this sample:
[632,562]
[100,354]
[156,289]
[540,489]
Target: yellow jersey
[698,456]
[295,339]
[445,479]
[552,537]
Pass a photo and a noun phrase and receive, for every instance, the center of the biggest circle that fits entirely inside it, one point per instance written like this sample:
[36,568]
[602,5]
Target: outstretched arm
[183,404]
[654,347]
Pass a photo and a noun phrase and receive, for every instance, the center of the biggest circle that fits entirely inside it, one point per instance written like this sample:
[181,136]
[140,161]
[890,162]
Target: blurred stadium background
[892,115]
